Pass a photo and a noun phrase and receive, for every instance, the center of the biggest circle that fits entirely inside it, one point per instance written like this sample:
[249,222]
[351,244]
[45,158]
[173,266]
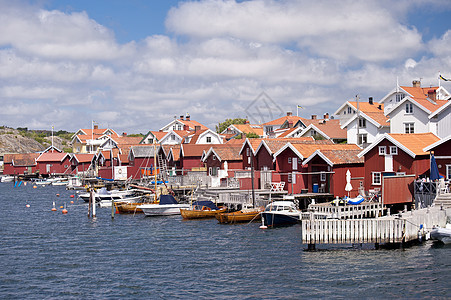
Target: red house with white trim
[24,163]
[396,154]
[54,163]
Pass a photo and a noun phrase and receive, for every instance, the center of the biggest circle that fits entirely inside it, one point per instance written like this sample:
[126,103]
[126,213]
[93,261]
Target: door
[388,163]
[295,163]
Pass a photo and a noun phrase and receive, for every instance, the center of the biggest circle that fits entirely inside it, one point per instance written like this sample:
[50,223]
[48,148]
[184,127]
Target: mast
[358,118]
[252,178]
[155,164]
[52,138]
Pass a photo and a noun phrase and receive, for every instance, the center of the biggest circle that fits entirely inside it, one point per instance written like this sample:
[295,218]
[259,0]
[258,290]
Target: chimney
[326,116]
[289,113]
[370,100]
[185,127]
[187,117]
[181,118]
[313,117]
[124,133]
[290,124]
[416,83]
[432,94]
[96,127]
[196,128]
[380,107]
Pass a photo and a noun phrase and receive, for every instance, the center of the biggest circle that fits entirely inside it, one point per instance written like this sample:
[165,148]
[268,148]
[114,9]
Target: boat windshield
[271,208]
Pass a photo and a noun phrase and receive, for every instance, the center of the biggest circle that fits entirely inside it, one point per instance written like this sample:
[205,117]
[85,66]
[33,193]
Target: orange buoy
[64,211]
[53,209]
[35,187]
[57,195]
[61,206]
[72,196]
[72,202]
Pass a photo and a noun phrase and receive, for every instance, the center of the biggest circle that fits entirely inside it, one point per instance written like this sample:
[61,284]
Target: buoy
[263,227]
[57,195]
[28,205]
[72,202]
[61,206]
[64,211]
[53,208]
[35,187]
[72,196]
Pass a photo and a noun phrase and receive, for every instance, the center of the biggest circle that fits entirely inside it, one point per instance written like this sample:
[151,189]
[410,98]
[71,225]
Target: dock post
[93,204]
[89,203]
[311,247]
[112,209]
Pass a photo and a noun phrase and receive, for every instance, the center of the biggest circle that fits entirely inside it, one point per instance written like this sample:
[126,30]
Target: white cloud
[67,69]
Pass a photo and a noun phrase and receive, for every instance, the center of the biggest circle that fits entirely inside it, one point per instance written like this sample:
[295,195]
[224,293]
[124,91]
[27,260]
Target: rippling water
[46,254]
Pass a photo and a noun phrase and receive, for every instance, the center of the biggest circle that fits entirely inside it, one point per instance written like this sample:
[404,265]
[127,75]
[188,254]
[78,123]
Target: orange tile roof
[308,149]
[159,134]
[235,141]
[228,152]
[192,124]
[372,111]
[52,156]
[341,157]
[196,135]
[83,157]
[420,95]
[276,144]
[127,140]
[415,142]
[248,128]
[282,120]
[194,149]
[23,159]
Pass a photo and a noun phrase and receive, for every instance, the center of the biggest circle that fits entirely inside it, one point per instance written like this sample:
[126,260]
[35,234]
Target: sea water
[46,254]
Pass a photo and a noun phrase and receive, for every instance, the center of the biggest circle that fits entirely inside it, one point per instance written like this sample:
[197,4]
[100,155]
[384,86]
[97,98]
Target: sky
[134,65]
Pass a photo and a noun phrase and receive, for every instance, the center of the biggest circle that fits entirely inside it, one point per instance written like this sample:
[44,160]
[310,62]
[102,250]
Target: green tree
[223,125]
[252,135]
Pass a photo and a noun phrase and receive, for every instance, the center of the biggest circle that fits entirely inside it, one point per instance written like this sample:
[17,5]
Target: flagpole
[52,138]
[297,110]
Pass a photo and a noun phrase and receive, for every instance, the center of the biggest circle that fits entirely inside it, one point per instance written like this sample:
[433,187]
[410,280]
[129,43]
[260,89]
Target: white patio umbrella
[348,186]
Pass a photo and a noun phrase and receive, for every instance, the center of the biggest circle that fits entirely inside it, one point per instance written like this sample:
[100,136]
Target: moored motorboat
[166,206]
[6,178]
[104,194]
[201,210]
[442,234]
[280,213]
[244,215]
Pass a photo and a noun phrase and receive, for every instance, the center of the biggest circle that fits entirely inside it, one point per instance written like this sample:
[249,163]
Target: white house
[184,123]
[367,125]
[207,136]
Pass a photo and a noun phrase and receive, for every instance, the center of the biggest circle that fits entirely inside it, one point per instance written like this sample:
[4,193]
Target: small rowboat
[201,210]
[244,215]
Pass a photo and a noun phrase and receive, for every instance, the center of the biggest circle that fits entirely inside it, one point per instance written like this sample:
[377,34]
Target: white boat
[104,194]
[442,234]
[74,183]
[42,182]
[280,213]
[166,207]
[127,199]
[6,178]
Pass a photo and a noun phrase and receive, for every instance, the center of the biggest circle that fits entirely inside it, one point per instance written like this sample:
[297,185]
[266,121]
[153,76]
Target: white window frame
[289,177]
[382,150]
[374,177]
[323,176]
[393,150]
[362,123]
[208,139]
[362,138]
[289,160]
[409,127]
[409,108]
[247,151]
[214,157]
[448,172]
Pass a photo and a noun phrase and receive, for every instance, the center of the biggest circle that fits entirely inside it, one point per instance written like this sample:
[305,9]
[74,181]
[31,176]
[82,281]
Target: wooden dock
[400,228]
[363,210]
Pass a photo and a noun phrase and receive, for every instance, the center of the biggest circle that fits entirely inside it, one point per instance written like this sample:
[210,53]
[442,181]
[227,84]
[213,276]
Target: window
[312,132]
[289,177]
[382,150]
[174,127]
[289,160]
[362,139]
[448,172]
[376,178]
[362,123]
[393,150]
[409,108]
[208,139]
[249,160]
[247,151]
[179,127]
[349,110]
[268,129]
[172,137]
[399,97]
[409,128]
[323,176]
[214,157]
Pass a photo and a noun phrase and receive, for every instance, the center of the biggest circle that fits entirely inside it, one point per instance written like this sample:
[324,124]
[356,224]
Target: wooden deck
[401,228]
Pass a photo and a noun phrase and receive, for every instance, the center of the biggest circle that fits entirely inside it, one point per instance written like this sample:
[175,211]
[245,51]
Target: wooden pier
[399,228]
[363,210]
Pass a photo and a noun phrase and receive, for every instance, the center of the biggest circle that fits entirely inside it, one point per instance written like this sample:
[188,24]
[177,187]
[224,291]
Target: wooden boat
[201,210]
[244,215]
[124,207]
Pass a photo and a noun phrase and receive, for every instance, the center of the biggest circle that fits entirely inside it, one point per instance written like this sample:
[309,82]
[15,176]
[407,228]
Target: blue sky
[134,65]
